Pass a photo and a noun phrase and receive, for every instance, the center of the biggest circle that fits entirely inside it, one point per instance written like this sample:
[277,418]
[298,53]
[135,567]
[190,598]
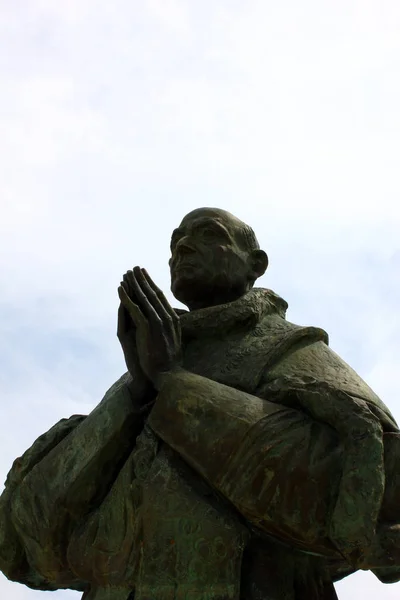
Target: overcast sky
[117,118]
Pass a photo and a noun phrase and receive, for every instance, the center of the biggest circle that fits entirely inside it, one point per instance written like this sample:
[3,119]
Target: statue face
[208,262]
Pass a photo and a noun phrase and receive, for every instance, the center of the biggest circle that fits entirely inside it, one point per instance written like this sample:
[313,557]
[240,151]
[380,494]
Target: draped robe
[235,484]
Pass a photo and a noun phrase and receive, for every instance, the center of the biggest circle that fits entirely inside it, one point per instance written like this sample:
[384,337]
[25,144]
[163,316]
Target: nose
[184,246]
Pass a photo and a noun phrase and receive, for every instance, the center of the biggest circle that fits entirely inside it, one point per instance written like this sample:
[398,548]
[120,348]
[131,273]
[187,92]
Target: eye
[212,233]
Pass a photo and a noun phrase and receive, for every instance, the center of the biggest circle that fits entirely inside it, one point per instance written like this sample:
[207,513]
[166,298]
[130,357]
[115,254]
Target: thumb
[121,320]
[134,311]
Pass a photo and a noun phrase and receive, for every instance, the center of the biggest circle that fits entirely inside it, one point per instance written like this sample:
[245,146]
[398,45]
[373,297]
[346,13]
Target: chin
[178,286]
[188,289]
[181,292]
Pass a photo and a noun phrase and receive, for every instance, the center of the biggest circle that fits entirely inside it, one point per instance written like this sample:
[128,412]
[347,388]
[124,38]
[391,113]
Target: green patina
[259,467]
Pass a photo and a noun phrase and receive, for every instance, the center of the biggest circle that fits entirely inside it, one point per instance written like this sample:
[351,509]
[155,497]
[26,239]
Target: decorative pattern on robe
[128,513]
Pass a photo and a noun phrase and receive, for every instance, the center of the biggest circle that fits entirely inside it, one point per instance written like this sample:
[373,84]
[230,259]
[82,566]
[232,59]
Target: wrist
[141,389]
[161,378]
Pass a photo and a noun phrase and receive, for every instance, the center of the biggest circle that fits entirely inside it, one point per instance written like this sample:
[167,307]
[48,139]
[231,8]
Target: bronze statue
[238,458]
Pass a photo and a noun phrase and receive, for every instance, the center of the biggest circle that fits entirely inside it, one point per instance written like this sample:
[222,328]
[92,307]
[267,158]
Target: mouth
[187,257]
[184,265]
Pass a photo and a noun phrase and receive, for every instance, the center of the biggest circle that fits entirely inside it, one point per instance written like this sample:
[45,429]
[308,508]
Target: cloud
[117,119]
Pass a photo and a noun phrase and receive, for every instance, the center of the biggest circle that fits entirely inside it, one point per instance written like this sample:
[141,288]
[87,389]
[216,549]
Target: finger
[127,281]
[133,309]
[160,296]
[152,296]
[126,302]
[142,300]
[121,320]
[125,285]
[124,321]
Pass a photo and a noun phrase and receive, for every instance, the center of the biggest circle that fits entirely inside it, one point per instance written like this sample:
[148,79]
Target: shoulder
[122,385]
[42,446]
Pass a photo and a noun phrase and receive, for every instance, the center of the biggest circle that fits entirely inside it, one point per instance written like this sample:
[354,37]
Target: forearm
[205,421]
[244,447]
[218,430]
[81,467]
[73,478]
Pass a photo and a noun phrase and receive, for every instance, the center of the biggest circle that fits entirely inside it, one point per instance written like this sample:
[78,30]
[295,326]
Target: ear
[259,263]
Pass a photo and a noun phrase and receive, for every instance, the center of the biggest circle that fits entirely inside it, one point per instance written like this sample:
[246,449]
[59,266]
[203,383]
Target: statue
[238,458]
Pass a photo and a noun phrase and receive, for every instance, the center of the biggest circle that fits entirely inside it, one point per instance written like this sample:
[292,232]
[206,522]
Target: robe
[235,484]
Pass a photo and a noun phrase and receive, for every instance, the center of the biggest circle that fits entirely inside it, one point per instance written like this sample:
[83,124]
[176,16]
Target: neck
[215,299]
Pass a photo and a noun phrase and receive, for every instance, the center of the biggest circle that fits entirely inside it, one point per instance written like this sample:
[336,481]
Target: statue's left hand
[158,333]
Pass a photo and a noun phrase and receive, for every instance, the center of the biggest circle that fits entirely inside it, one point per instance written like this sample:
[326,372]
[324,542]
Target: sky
[119,118]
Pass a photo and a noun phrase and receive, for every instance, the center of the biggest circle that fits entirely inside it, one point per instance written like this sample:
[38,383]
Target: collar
[246,312]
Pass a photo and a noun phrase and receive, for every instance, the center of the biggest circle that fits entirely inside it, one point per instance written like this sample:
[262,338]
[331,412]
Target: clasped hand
[158,333]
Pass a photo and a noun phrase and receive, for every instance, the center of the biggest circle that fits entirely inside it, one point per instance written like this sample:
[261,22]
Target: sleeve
[289,472]
[360,434]
[13,560]
[61,478]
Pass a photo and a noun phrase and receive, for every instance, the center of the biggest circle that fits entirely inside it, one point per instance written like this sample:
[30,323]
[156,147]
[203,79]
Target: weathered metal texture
[263,469]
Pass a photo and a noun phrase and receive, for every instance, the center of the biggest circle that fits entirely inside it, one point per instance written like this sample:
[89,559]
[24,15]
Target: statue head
[215,258]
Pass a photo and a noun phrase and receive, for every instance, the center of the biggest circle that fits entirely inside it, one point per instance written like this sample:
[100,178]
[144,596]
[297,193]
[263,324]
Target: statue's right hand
[126,333]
